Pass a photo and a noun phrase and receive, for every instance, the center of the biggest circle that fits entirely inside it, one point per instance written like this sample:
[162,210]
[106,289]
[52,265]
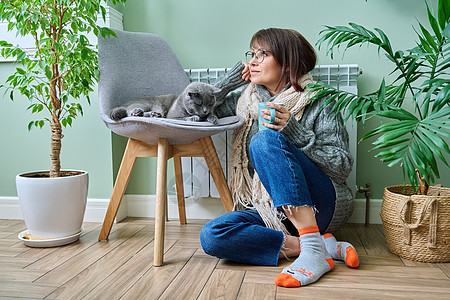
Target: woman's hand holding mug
[272,115]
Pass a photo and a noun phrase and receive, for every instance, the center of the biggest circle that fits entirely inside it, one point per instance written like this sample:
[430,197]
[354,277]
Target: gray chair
[139,65]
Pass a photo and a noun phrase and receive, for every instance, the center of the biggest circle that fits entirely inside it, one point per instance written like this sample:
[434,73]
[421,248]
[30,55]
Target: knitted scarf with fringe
[249,192]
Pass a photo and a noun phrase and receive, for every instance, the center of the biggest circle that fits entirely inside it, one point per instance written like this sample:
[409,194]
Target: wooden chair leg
[213,162]
[179,187]
[128,160]
[161,198]
[166,209]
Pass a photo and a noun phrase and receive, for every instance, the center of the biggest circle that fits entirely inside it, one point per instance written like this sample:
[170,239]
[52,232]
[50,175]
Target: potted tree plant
[62,69]
[415,217]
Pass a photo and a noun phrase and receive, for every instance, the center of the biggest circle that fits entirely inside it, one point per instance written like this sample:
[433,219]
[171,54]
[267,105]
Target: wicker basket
[417,227]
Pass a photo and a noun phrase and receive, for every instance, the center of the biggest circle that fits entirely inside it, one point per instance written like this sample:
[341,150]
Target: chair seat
[149,130]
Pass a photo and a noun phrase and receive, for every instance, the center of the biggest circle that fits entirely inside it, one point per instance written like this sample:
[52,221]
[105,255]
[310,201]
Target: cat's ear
[216,90]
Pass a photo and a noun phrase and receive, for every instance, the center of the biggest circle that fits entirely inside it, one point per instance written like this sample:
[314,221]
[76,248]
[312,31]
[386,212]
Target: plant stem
[423,185]
[55,150]
[55,124]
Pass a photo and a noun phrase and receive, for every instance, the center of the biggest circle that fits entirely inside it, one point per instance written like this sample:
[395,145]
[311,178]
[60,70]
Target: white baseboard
[359,213]
[196,208]
[95,209]
[144,206]
[132,206]
[10,208]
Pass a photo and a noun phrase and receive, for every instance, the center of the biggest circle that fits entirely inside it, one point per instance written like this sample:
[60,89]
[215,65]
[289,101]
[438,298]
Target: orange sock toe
[351,259]
[328,235]
[286,280]
[341,250]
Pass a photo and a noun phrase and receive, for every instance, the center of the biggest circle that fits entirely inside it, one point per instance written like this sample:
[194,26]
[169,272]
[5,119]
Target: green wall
[206,33]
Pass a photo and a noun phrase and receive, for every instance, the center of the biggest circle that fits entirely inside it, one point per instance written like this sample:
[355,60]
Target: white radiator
[197,181]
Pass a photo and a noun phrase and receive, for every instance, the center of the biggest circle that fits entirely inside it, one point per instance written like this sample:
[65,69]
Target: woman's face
[267,73]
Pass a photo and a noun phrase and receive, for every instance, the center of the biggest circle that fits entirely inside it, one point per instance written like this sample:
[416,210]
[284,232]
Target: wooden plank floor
[122,268]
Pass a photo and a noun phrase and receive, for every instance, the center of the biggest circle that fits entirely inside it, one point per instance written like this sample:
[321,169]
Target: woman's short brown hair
[290,50]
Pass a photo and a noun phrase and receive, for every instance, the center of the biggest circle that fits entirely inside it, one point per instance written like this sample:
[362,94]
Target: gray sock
[312,263]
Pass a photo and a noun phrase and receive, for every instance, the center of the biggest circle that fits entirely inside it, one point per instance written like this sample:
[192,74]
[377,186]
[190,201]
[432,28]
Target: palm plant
[413,139]
[64,66]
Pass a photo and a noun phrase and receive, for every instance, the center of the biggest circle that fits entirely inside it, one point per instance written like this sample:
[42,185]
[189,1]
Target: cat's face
[199,98]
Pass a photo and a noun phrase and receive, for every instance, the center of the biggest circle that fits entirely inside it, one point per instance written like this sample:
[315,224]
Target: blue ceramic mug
[261,106]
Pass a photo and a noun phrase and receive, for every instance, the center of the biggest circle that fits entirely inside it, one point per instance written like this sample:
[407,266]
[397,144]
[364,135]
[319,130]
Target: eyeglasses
[258,55]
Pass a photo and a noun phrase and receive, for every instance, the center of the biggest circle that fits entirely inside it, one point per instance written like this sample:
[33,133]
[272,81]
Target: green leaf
[103,11]
[398,114]
[21,56]
[392,150]
[84,53]
[390,143]
[444,112]
[437,140]
[436,129]
[395,161]
[424,45]
[393,157]
[389,127]
[443,13]
[74,26]
[389,135]
[386,45]
[441,99]
[409,170]
[42,64]
[382,91]
[432,146]
[439,123]
[418,159]
[31,66]
[434,23]
[21,71]
[351,108]
[429,39]
[48,72]
[428,154]
[5,44]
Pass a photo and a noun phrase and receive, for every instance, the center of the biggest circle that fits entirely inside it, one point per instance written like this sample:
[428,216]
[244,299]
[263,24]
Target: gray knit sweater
[318,134]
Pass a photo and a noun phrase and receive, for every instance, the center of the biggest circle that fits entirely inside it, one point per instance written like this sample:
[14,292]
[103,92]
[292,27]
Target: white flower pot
[53,208]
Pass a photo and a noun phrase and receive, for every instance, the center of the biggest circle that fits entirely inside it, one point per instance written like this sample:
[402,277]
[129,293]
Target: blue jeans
[290,178]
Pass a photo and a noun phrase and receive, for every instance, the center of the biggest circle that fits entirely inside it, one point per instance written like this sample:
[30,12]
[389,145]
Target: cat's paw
[137,112]
[213,119]
[118,113]
[154,114]
[193,118]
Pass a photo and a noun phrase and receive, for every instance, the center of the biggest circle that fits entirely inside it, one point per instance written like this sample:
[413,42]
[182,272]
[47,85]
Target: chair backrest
[136,65]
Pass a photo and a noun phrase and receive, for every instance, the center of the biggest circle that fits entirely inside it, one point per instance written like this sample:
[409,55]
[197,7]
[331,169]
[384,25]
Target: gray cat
[195,103]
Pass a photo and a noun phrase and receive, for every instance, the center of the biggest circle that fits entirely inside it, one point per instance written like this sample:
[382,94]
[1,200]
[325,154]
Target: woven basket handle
[404,213]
